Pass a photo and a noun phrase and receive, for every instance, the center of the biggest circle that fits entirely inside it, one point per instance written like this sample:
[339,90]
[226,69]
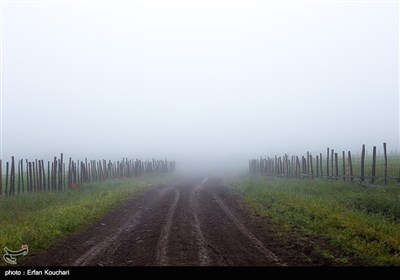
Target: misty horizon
[207,84]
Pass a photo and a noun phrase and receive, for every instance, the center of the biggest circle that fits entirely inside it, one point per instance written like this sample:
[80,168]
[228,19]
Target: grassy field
[41,219]
[364,222]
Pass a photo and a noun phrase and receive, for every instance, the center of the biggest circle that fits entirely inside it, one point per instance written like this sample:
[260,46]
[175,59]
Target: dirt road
[192,223]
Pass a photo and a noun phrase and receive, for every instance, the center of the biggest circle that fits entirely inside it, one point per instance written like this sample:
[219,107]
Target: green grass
[41,219]
[364,222]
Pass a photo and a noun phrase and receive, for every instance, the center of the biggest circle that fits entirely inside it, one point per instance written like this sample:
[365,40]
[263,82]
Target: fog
[210,84]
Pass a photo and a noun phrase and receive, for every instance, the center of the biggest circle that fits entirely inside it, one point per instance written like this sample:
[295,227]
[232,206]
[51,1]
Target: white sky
[197,80]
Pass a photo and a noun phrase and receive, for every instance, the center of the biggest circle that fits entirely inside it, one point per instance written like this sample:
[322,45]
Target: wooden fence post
[86,171]
[48,175]
[1,178]
[332,162]
[287,165]
[69,181]
[19,178]
[34,176]
[28,183]
[43,176]
[37,175]
[77,171]
[12,176]
[320,164]
[303,166]
[30,177]
[22,175]
[64,187]
[362,163]
[6,190]
[350,164]
[336,167]
[54,174]
[327,163]
[385,164]
[373,165]
[344,166]
[40,175]
[60,172]
[292,162]
[89,172]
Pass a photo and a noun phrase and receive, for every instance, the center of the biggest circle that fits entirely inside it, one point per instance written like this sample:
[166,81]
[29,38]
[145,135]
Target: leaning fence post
[22,175]
[385,164]
[6,178]
[350,166]
[43,176]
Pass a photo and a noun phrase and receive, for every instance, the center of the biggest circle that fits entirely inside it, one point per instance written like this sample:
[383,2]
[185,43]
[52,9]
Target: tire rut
[244,230]
[192,223]
[203,256]
[95,251]
[161,255]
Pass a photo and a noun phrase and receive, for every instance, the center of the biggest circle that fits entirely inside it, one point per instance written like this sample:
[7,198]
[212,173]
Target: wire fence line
[366,168]
[56,175]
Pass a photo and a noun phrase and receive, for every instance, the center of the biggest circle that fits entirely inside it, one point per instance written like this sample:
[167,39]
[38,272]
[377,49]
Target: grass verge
[364,222]
[41,219]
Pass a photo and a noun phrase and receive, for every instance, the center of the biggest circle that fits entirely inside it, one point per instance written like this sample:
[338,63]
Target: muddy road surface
[192,223]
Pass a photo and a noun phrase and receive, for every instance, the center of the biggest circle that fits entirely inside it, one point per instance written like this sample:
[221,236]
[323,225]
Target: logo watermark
[10,255]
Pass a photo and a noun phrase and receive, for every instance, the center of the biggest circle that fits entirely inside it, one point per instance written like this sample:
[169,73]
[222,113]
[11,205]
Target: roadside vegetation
[363,222]
[41,219]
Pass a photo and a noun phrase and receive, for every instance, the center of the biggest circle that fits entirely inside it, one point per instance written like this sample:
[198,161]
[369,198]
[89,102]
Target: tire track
[92,254]
[98,249]
[191,223]
[161,252]
[203,257]
[244,230]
